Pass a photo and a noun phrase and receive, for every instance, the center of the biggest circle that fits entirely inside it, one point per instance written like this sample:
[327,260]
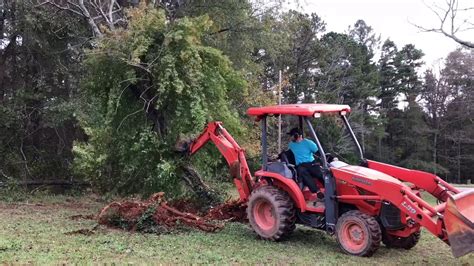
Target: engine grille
[390,217]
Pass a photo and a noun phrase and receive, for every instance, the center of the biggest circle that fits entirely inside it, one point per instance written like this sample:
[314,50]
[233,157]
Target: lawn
[35,231]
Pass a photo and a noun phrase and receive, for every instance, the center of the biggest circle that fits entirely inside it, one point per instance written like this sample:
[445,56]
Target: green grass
[33,232]
[464,185]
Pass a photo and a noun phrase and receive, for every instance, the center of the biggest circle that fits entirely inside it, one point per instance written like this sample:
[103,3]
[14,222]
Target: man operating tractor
[303,150]
[365,204]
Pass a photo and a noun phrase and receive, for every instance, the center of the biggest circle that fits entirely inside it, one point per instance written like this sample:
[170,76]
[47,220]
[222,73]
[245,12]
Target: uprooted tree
[146,86]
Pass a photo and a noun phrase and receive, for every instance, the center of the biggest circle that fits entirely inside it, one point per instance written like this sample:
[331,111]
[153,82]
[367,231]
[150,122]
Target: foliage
[156,73]
[190,84]
[38,74]
[449,97]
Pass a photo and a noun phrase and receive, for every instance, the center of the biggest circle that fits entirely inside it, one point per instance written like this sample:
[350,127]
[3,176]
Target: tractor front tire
[358,234]
[408,242]
[271,213]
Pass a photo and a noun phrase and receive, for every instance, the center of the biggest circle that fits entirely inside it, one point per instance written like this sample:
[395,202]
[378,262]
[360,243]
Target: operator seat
[288,158]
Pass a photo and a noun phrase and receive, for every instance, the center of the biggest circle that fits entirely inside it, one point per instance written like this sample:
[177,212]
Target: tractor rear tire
[408,242]
[271,213]
[358,234]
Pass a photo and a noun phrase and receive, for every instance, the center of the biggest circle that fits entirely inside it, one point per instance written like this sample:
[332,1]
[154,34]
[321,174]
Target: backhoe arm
[233,154]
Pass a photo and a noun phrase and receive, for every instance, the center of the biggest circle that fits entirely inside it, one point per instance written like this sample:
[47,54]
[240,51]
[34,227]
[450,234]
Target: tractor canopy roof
[304,109]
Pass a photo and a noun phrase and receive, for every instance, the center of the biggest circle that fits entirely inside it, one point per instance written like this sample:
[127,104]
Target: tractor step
[311,219]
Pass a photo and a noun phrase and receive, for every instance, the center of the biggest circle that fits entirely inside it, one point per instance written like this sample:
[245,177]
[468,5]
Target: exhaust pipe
[459,222]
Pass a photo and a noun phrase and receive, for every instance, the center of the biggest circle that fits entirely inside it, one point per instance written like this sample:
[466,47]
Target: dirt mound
[157,215]
[229,211]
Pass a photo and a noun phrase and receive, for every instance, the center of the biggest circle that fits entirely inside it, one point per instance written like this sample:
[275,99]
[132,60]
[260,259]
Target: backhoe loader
[364,205]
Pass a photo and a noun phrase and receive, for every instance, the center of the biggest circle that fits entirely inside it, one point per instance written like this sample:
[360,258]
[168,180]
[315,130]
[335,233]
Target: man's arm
[312,146]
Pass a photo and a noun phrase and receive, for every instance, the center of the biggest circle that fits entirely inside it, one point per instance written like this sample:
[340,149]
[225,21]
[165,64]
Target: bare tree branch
[447,17]
[90,20]
[65,8]
[95,12]
[111,14]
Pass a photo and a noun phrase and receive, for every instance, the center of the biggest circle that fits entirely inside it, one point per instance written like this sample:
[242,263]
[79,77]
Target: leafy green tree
[291,45]
[406,128]
[457,131]
[408,61]
[181,84]
[435,97]
[348,76]
[388,76]
[365,35]
[39,72]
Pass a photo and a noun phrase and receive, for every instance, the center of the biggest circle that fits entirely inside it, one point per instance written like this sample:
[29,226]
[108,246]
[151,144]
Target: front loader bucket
[459,222]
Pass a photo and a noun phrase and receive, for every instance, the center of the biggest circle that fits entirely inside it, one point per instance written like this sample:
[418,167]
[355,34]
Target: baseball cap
[294,130]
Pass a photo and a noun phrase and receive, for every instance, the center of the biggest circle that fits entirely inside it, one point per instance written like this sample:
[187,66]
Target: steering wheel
[329,157]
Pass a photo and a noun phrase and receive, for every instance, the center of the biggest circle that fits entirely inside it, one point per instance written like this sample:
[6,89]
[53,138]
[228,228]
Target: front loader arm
[431,183]
[231,151]
[452,220]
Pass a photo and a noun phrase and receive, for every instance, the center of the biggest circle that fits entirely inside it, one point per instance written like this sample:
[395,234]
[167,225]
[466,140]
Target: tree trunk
[364,113]
[435,150]
[90,20]
[195,182]
[380,148]
[459,163]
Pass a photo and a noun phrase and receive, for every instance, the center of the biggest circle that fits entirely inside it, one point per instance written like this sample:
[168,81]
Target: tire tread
[285,209]
[373,228]
[401,242]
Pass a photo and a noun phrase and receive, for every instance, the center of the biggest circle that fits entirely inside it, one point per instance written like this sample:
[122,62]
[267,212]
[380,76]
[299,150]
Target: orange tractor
[364,204]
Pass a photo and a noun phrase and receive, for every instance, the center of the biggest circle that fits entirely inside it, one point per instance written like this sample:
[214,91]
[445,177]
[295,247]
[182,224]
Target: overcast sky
[392,19]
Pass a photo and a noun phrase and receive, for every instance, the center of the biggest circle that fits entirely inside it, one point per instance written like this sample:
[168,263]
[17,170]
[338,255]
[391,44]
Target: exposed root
[229,211]
[156,215]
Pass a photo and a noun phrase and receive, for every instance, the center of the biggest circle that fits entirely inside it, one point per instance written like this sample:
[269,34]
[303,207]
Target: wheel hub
[356,234]
[264,215]
[353,235]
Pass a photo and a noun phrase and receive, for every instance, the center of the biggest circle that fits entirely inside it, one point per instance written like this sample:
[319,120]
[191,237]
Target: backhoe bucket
[459,222]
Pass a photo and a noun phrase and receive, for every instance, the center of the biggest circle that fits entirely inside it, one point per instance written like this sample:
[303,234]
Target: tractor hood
[366,173]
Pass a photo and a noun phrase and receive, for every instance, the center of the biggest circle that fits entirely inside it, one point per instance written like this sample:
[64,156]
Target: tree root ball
[156,212]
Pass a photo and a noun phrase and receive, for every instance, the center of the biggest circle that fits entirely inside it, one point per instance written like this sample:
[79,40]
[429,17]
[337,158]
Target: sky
[392,19]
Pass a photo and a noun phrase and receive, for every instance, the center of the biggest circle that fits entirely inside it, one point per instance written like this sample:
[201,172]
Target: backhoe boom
[232,152]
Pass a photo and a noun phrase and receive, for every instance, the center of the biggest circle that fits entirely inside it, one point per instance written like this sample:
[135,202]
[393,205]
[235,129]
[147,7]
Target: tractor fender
[287,185]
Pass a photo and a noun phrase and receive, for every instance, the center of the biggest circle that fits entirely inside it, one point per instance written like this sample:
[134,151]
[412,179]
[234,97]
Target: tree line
[103,91]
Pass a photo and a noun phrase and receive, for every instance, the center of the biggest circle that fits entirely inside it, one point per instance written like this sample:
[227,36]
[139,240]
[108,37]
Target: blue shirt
[303,150]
